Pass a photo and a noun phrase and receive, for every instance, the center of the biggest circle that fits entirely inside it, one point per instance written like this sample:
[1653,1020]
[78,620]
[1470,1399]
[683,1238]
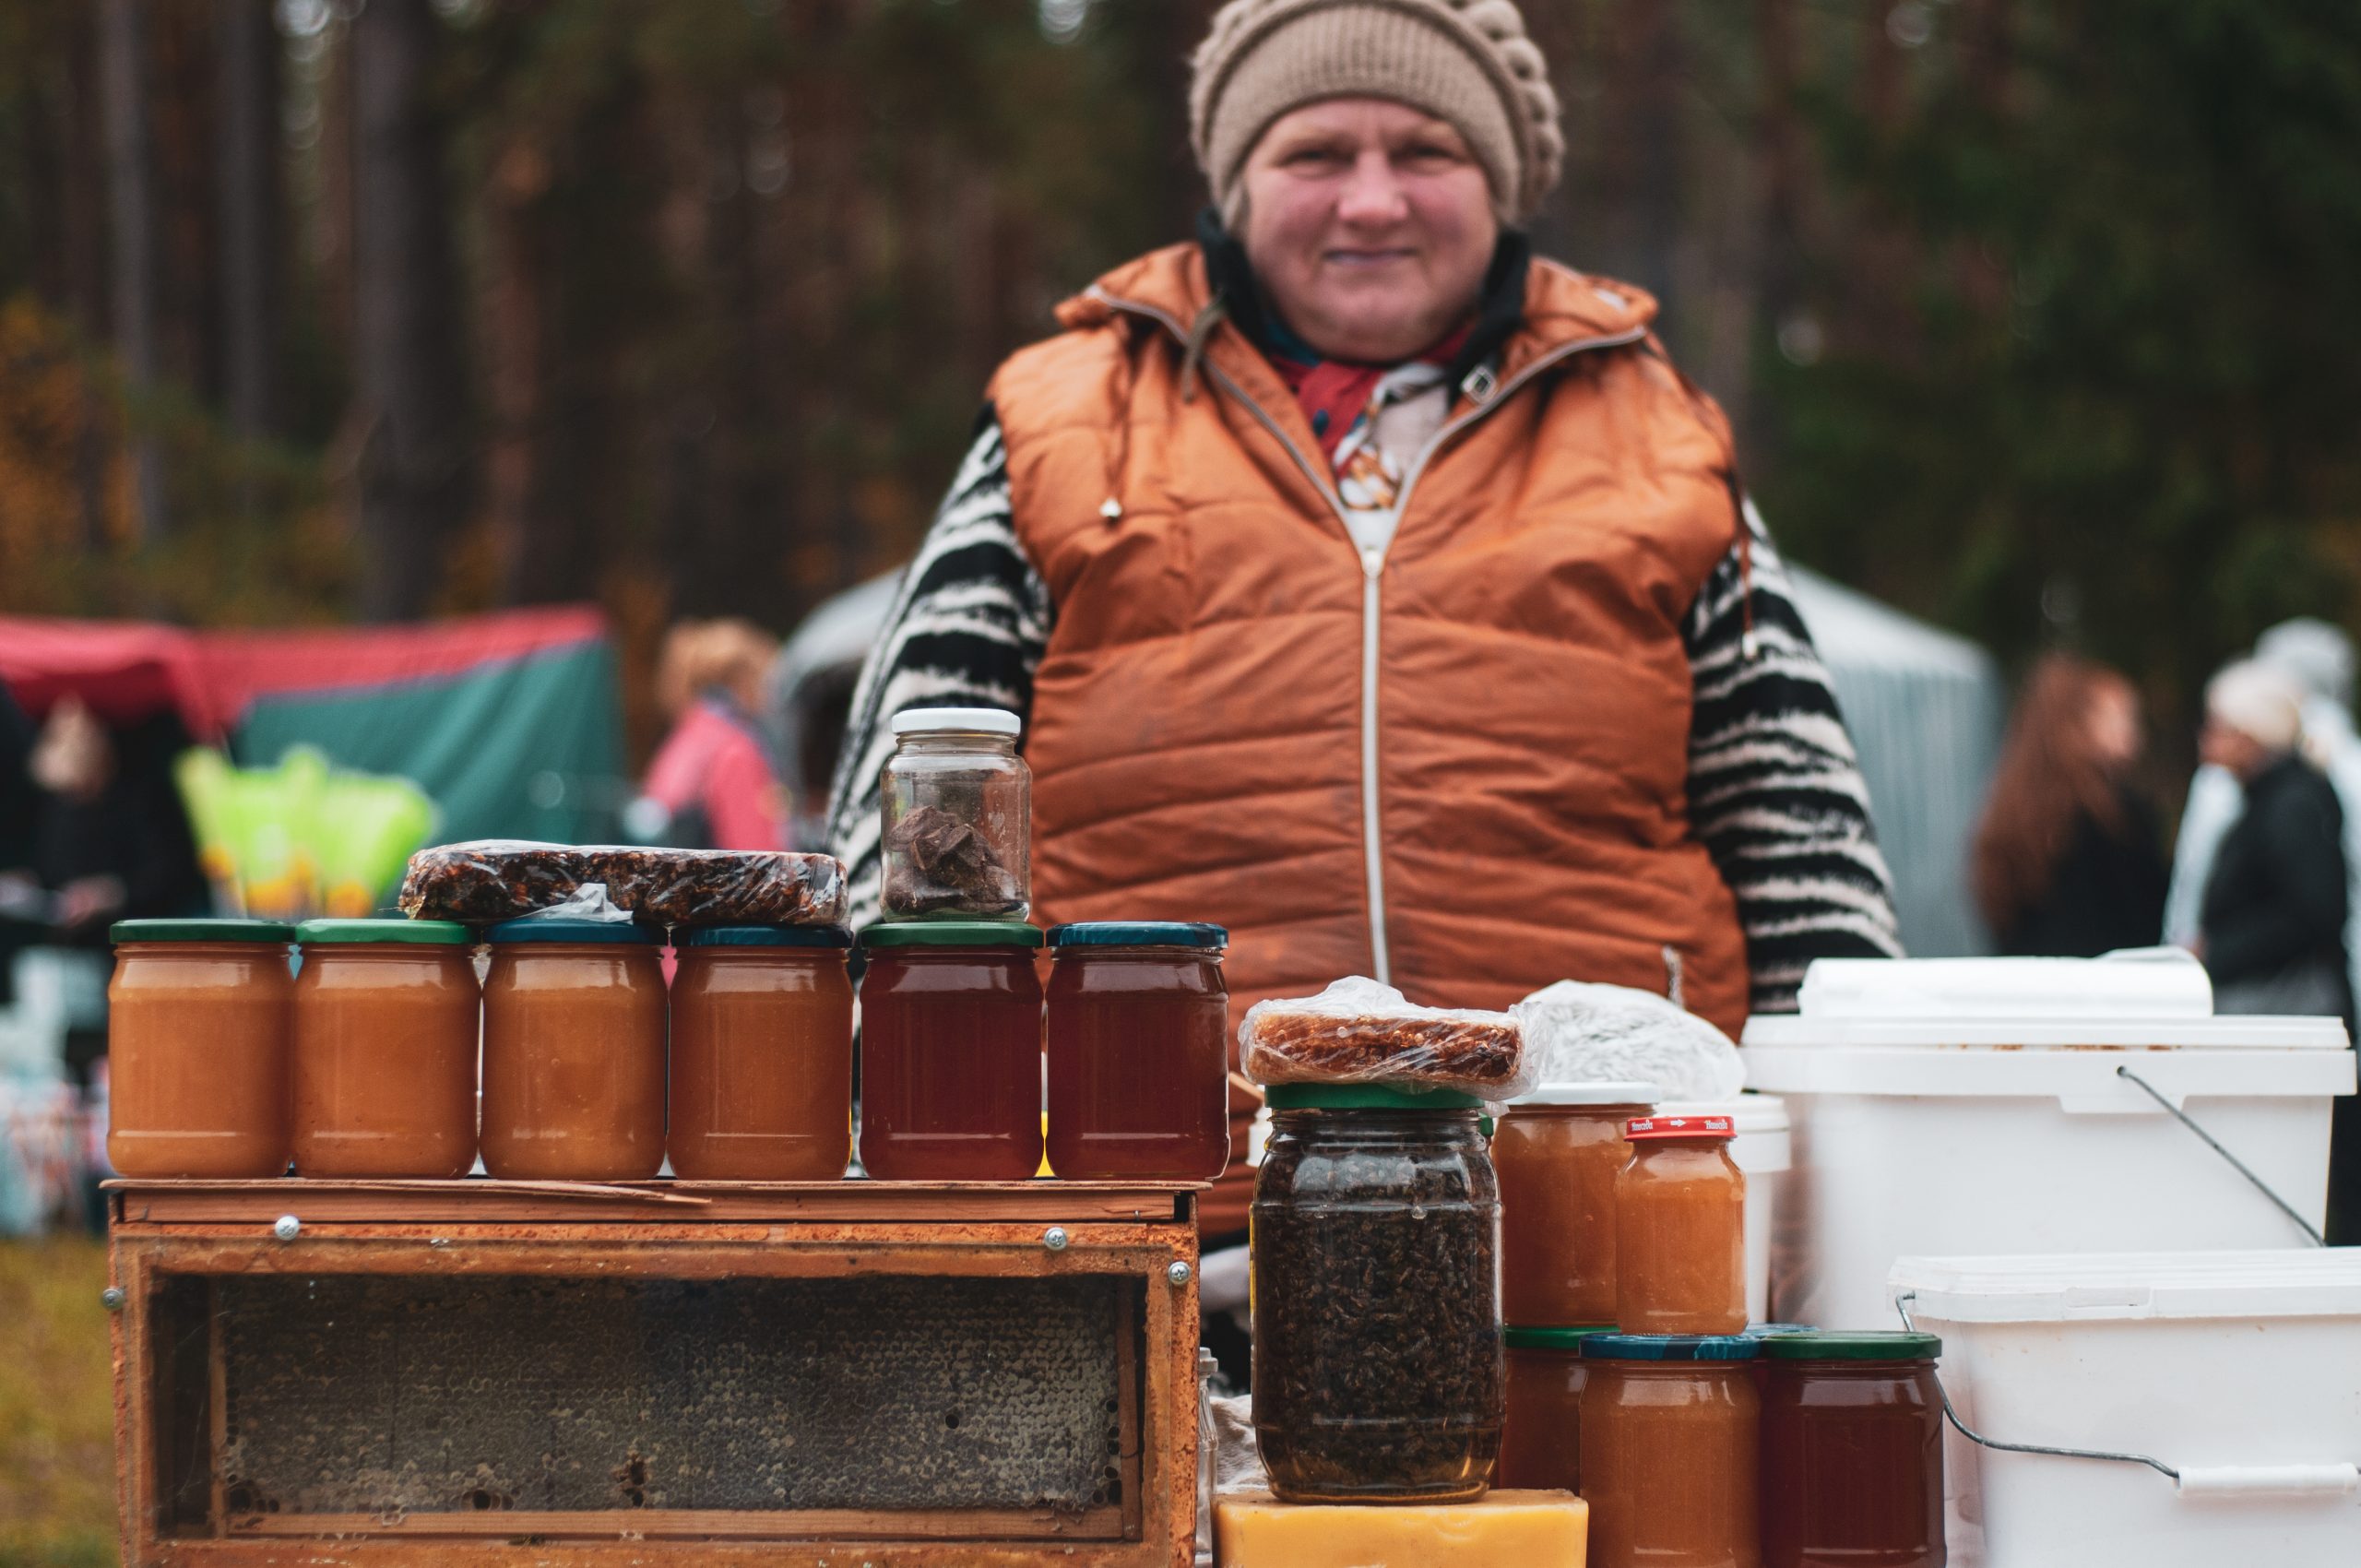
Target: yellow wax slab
[1528,1529]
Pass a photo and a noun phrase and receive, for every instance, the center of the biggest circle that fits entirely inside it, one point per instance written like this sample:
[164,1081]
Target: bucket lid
[1569,1339]
[1365,1096]
[1604,1092]
[1641,1129]
[2082,1286]
[1138,934]
[951,933]
[424,934]
[1867,1344]
[1671,1348]
[540,928]
[766,936]
[200,931]
[956,721]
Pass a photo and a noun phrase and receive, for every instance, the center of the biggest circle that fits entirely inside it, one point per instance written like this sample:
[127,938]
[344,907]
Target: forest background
[2041,318]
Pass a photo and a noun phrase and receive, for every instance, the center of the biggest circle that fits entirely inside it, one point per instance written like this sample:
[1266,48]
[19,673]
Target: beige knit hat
[1464,61]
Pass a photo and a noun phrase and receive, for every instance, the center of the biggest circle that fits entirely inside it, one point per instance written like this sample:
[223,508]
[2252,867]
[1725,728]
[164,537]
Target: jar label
[1679,1127]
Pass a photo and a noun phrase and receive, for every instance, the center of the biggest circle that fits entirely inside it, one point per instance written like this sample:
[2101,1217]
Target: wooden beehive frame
[208,1229]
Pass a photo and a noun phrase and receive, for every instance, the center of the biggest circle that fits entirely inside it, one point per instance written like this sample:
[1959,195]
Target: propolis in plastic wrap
[1358,1031]
[498,879]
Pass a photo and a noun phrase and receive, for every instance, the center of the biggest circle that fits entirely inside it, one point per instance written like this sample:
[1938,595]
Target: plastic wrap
[1576,1033]
[491,880]
[1358,1031]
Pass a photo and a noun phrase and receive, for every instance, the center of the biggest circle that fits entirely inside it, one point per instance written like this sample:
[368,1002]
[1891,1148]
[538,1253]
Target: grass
[56,1406]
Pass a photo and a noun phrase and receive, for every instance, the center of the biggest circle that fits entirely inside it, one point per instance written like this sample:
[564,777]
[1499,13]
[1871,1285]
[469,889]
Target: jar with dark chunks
[957,804]
[1377,1318]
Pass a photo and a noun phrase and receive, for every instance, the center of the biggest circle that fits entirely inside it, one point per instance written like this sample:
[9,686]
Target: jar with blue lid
[574,1023]
[762,1054]
[1138,1038]
[1670,1450]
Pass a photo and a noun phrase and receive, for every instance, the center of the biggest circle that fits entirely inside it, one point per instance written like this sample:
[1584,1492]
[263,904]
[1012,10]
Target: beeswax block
[1530,1529]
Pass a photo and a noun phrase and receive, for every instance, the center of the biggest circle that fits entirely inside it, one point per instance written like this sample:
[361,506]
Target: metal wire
[2237,1164]
[1901,1305]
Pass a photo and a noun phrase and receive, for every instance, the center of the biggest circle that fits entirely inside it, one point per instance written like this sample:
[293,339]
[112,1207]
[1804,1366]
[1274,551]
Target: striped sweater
[1774,792]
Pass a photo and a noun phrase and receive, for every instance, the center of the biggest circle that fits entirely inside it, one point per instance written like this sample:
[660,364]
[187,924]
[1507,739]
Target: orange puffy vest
[1461,767]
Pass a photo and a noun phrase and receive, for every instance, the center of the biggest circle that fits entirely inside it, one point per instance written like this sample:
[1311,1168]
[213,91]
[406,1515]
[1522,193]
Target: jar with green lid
[386,1020]
[574,1050]
[199,1015]
[1852,1451]
[951,1051]
[1377,1370]
[1541,1421]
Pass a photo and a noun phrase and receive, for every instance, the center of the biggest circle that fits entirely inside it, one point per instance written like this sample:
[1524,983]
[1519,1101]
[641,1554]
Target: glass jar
[199,1015]
[574,1051]
[1679,1228]
[1138,1031]
[1376,1295]
[1541,1421]
[951,1051]
[385,1028]
[1852,1451]
[1671,1438]
[762,1054]
[1559,1150]
[957,804]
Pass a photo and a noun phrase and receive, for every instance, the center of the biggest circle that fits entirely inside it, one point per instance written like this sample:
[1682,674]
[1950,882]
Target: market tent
[1925,708]
[509,722]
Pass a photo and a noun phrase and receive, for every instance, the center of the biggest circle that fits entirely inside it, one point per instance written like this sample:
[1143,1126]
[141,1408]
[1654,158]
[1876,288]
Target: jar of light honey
[199,1014]
[1679,1228]
[574,1051]
[384,1056]
[762,1054]
[1559,1151]
[1670,1450]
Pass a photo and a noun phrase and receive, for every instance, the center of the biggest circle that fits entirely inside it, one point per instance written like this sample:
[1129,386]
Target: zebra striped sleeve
[967,630]
[1775,792]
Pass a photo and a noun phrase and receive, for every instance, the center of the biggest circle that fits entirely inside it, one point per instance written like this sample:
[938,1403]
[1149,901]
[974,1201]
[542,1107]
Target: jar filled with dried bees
[1377,1368]
[958,808]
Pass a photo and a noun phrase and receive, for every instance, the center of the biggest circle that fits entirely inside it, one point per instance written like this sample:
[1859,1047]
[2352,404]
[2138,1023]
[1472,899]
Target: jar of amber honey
[951,1051]
[199,1018]
[1852,1451]
[384,1074]
[762,1054]
[1138,1033]
[1541,1420]
[1679,1228]
[1557,1152]
[574,1051]
[1670,1450]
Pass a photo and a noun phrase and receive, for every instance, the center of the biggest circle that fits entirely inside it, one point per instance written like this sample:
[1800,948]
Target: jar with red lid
[574,1051]
[1541,1418]
[1679,1228]
[199,1017]
[762,1054]
[951,1051]
[1852,1451]
[386,1018]
[1671,1434]
[1138,1033]
[1559,1151]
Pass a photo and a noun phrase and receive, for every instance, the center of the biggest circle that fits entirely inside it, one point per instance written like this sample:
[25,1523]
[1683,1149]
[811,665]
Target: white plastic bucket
[1764,1151]
[2240,1370]
[1990,1135]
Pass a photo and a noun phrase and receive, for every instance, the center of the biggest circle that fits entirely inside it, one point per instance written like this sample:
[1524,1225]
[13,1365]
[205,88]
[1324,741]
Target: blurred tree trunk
[411,392]
[526,546]
[247,178]
[123,77]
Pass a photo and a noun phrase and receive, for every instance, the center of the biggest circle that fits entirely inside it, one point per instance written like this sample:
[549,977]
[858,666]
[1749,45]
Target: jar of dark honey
[1138,1035]
[951,1051]
[1852,1451]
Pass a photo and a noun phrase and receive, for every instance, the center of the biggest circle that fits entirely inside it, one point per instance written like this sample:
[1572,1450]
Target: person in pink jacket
[711,784]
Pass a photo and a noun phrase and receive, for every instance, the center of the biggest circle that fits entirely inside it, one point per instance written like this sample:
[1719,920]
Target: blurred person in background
[711,784]
[2069,858]
[2271,927]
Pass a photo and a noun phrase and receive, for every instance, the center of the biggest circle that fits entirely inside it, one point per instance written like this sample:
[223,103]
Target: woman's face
[2114,733]
[1371,225]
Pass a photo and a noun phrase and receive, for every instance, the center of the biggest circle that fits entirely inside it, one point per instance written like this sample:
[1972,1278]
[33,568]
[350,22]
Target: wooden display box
[497,1372]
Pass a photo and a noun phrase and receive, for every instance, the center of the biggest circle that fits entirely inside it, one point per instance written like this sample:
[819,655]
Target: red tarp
[127,670]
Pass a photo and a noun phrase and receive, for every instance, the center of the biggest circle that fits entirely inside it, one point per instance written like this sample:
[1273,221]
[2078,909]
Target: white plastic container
[1947,1132]
[1763,1152]
[2240,1370]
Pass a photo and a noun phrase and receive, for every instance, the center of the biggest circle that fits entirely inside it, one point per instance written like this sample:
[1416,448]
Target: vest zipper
[1372,568]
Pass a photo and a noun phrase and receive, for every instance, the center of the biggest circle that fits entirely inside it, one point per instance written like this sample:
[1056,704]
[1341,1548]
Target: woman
[2274,916]
[711,784]
[2068,858]
[1379,590]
